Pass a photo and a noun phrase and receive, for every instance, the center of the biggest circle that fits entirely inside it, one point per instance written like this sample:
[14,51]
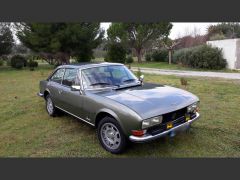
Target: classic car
[121,106]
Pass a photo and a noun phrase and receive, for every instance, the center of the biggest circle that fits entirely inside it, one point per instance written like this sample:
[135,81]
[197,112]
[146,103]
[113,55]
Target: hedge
[18,61]
[203,56]
[160,55]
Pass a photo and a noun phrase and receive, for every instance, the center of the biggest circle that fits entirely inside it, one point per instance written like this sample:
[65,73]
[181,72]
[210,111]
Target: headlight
[151,122]
[192,108]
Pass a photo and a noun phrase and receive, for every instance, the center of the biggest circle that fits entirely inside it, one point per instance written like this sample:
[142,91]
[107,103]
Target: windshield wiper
[100,83]
[103,83]
[129,80]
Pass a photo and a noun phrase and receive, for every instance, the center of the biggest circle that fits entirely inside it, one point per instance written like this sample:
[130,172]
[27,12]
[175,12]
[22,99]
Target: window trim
[49,78]
[75,77]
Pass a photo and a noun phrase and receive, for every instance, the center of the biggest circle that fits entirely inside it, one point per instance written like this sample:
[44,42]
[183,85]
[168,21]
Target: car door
[71,100]
[54,86]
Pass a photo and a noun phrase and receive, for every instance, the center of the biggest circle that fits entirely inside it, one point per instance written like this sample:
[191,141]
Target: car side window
[70,77]
[57,76]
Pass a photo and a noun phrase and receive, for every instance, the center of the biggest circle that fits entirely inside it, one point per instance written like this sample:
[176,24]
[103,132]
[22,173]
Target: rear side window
[70,77]
[57,76]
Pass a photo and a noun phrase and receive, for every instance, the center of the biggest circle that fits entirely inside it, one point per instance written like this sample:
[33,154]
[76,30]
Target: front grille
[163,127]
[174,115]
[177,117]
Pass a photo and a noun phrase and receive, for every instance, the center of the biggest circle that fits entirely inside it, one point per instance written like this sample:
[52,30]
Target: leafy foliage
[1,62]
[138,35]
[32,64]
[203,56]
[129,60]
[148,57]
[160,55]
[6,40]
[18,61]
[224,31]
[58,41]
[116,53]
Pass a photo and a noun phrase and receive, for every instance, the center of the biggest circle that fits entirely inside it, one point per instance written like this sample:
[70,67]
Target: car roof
[88,65]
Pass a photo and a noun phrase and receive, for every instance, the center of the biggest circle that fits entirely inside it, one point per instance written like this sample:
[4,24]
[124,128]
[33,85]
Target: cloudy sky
[180,29]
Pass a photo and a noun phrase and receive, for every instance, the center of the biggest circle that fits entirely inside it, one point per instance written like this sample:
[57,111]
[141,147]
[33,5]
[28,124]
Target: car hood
[151,100]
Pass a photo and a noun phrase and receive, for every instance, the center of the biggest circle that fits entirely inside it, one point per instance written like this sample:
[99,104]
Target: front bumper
[149,137]
[40,94]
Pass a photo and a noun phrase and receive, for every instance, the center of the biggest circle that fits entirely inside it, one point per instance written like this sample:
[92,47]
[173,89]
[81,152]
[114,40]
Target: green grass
[26,130]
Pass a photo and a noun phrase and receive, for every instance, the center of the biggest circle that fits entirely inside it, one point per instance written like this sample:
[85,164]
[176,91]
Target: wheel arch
[46,92]
[107,113]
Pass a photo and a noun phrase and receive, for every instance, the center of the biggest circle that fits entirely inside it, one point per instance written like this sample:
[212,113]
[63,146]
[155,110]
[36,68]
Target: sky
[180,29]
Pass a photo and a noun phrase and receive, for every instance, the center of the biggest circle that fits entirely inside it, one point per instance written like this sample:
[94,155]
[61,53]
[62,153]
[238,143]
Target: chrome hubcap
[49,106]
[110,136]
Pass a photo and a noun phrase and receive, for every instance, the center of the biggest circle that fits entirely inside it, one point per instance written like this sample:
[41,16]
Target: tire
[50,107]
[111,136]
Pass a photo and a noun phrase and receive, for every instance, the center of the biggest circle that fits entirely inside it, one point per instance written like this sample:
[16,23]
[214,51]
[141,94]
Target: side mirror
[141,78]
[75,88]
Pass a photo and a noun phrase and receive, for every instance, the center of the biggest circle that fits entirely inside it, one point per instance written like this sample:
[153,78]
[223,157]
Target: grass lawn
[26,130]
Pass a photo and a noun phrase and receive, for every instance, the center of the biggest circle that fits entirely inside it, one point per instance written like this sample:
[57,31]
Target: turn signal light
[138,132]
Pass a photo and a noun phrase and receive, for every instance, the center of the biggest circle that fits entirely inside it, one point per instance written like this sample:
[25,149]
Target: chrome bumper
[149,137]
[40,94]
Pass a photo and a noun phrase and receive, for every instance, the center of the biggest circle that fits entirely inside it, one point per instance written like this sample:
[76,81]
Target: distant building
[231,51]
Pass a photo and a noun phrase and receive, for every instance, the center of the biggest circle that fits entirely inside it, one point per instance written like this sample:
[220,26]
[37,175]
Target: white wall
[229,49]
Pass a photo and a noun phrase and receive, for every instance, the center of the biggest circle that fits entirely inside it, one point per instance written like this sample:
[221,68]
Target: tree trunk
[62,58]
[139,55]
[169,56]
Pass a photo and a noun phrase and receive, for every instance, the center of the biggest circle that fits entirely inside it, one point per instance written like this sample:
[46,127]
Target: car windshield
[113,75]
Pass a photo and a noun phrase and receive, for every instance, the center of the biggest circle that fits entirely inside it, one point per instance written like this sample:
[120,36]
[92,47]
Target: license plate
[188,117]
[169,125]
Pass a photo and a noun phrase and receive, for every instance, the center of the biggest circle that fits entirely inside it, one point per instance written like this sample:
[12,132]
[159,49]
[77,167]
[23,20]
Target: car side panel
[55,92]
[72,101]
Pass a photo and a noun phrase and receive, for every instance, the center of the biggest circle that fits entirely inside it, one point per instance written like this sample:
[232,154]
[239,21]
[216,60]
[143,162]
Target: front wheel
[52,111]
[111,136]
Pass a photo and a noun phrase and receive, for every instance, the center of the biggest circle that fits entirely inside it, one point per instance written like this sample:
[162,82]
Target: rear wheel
[111,135]
[52,111]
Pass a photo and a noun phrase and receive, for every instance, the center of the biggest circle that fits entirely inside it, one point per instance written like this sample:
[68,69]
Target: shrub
[17,61]
[1,62]
[19,65]
[129,60]
[203,56]
[160,55]
[9,62]
[32,64]
[116,53]
[148,57]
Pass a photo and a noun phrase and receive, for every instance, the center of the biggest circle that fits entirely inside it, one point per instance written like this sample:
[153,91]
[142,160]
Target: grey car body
[129,105]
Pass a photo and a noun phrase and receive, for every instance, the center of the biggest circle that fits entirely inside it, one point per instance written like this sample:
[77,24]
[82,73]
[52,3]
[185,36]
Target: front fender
[127,120]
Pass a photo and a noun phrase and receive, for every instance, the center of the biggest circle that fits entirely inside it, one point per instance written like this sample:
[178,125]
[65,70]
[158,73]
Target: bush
[9,62]
[116,53]
[32,64]
[1,62]
[19,65]
[203,56]
[160,56]
[129,60]
[148,57]
[17,61]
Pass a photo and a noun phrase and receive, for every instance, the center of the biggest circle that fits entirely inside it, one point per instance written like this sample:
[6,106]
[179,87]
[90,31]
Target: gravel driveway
[189,73]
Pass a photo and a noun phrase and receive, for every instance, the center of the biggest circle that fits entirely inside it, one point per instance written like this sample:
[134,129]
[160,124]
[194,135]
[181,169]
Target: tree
[170,45]
[6,39]
[138,35]
[116,53]
[56,42]
[224,31]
